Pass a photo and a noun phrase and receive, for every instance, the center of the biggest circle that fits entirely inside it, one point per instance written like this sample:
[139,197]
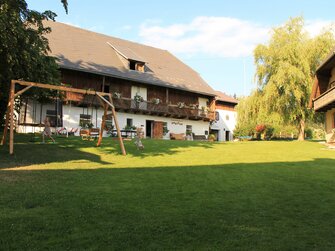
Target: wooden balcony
[162,109]
[325,101]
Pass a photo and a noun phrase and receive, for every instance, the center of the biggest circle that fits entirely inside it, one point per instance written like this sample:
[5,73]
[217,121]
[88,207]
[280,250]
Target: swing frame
[105,103]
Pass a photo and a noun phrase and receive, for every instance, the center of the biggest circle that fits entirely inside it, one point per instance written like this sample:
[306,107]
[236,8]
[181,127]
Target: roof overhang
[160,83]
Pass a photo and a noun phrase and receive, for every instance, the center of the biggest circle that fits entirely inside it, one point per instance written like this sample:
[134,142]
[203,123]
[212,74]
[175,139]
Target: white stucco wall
[329,125]
[71,115]
[226,122]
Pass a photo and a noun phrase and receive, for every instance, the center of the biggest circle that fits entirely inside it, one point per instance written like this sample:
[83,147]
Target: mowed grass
[173,195]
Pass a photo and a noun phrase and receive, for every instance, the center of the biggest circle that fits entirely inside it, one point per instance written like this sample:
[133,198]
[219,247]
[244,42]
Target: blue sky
[216,38]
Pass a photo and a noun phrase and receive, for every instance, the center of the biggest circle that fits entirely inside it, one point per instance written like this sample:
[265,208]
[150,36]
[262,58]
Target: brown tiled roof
[225,98]
[84,50]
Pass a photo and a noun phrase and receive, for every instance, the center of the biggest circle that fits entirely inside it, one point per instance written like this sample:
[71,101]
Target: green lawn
[173,195]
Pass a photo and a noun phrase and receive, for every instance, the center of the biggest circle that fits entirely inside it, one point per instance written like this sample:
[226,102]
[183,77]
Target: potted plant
[156,101]
[180,104]
[138,98]
[204,110]
[117,95]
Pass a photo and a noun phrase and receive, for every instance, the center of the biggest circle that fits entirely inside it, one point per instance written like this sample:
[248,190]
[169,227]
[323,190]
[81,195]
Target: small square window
[85,121]
[217,116]
[132,65]
[129,122]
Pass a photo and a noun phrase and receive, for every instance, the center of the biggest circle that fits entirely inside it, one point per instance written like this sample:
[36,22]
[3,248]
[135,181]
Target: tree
[285,68]
[23,48]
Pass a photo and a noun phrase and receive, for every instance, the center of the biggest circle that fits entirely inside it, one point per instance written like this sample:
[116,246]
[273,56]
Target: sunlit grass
[171,195]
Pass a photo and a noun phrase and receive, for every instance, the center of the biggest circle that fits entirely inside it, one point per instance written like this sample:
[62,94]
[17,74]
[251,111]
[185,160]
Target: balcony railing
[162,109]
[325,101]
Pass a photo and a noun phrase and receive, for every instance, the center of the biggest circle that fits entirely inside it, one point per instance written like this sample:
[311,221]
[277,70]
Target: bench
[177,136]
[89,134]
[199,137]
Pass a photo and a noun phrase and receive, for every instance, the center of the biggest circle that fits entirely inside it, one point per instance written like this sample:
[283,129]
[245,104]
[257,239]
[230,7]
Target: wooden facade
[169,98]
[323,95]
[220,105]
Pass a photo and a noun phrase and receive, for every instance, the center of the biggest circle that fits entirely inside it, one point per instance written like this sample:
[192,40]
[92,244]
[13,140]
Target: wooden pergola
[105,99]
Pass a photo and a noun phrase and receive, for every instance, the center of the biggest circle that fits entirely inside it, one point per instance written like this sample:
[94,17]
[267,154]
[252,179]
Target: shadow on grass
[286,205]
[76,149]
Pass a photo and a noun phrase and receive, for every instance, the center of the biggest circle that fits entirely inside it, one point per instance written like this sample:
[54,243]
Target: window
[136,66]
[106,88]
[129,122]
[132,65]
[51,115]
[85,121]
[217,116]
[188,130]
[227,117]
[165,128]
[139,67]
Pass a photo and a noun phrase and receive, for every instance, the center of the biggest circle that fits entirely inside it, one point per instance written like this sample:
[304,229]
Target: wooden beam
[59,88]
[22,91]
[12,96]
[105,100]
[115,119]
[103,123]
[11,111]
[5,130]
[117,126]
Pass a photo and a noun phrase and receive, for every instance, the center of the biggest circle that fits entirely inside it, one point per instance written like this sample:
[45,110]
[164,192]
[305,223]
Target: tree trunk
[301,130]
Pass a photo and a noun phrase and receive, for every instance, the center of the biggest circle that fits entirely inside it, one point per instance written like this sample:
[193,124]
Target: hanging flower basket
[155,101]
[181,105]
[116,95]
[138,98]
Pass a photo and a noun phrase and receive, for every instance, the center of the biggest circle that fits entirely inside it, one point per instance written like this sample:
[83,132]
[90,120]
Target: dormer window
[132,65]
[135,61]
[139,67]
[136,66]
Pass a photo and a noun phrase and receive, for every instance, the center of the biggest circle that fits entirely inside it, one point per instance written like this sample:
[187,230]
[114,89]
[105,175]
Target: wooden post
[8,114]
[5,130]
[117,126]
[167,96]
[11,111]
[103,123]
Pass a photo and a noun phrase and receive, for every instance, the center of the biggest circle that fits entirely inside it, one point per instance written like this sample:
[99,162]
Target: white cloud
[314,27]
[214,36]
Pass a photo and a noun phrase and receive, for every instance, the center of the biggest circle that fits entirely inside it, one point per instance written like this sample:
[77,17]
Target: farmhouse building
[151,88]
[323,94]
[225,117]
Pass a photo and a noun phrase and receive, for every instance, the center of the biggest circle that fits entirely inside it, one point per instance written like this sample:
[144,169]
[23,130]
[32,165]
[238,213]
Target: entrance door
[227,136]
[149,128]
[216,134]
[158,129]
